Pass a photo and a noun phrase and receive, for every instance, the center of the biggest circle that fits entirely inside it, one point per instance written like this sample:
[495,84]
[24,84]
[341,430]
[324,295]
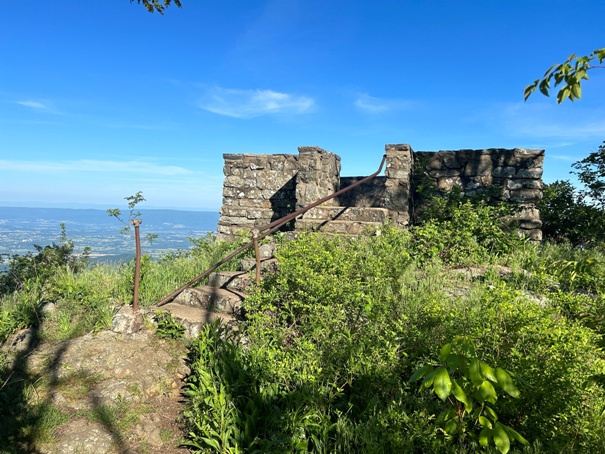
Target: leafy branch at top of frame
[569,75]
[158,5]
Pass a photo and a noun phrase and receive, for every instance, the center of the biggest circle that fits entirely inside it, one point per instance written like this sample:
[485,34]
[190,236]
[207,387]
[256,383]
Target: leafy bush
[464,231]
[39,266]
[467,384]
[332,337]
[566,216]
[577,215]
[167,326]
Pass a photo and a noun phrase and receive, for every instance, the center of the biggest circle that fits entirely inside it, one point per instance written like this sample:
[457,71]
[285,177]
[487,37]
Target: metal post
[256,254]
[137,264]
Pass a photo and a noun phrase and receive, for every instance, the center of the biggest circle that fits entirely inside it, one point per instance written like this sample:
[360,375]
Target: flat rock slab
[121,393]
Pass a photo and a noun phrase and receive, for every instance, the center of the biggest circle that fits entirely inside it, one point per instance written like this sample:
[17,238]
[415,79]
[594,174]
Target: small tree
[134,219]
[591,172]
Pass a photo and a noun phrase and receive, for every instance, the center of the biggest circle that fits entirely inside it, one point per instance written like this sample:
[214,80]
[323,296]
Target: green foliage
[591,173]
[466,385]
[157,5]
[133,215]
[566,216]
[318,366]
[462,230]
[577,215]
[39,266]
[167,327]
[568,74]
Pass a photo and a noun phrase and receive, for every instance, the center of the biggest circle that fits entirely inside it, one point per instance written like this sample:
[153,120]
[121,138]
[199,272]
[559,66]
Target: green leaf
[544,86]
[451,427]
[512,433]
[446,415]
[428,380]
[445,351]
[576,90]
[488,372]
[475,371]
[487,392]
[506,382]
[461,396]
[563,94]
[485,435]
[530,89]
[492,414]
[485,422]
[442,384]
[455,362]
[420,373]
[501,438]
[211,442]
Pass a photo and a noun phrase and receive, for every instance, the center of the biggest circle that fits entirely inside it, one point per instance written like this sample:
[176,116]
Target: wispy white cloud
[34,105]
[254,103]
[88,165]
[372,105]
[38,106]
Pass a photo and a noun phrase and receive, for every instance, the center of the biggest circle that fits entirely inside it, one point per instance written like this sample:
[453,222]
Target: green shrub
[167,326]
[463,231]
[468,387]
[39,266]
[332,337]
[566,216]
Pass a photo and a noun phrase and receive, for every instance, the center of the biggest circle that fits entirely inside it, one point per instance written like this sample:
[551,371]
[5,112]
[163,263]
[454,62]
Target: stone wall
[399,182]
[258,189]
[370,194]
[514,175]
[318,176]
[261,188]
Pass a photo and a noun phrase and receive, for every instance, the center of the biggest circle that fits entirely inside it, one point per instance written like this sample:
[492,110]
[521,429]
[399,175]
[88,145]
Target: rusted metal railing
[268,230]
[137,264]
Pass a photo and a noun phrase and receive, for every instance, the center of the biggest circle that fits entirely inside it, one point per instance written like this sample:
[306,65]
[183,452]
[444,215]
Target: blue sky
[99,100]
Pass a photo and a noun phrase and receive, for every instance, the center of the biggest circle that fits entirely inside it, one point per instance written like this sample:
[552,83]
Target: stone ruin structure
[260,188]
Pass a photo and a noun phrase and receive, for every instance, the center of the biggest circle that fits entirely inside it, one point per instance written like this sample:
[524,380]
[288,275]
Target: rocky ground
[115,392]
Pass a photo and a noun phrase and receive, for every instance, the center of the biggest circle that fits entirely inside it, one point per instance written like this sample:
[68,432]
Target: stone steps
[192,318]
[342,220]
[337,227]
[211,298]
[232,280]
[221,299]
[356,214]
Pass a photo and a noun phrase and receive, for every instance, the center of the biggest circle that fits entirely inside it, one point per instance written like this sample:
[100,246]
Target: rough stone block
[526,195]
[504,172]
[480,166]
[448,183]
[530,173]
[126,321]
[443,173]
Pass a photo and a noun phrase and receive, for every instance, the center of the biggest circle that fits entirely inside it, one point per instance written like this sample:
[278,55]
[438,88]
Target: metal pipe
[137,264]
[256,254]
